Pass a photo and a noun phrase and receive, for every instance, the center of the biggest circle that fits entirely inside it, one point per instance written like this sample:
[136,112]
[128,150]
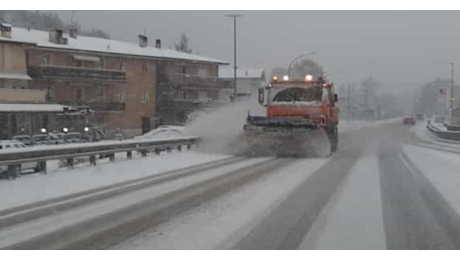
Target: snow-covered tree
[183,45]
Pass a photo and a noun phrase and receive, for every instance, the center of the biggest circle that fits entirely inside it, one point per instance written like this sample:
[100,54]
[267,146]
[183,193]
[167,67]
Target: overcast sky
[401,49]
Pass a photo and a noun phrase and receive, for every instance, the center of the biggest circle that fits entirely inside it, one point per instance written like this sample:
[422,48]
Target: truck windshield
[296,94]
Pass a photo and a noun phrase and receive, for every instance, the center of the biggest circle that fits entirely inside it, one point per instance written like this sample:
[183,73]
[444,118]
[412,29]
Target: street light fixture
[43,130]
[234,16]
[298,57]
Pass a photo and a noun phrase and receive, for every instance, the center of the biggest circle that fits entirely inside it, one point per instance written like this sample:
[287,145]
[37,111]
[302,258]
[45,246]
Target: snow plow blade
[284,137]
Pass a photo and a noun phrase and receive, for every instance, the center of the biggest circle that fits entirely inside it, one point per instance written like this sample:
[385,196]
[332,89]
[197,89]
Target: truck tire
[333,134]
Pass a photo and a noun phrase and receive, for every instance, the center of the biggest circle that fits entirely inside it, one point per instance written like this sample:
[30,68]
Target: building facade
[121,85]
[248,80]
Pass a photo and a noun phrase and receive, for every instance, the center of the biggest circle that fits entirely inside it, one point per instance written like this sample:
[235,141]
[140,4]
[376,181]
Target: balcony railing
[195,81]
[100,106]
[76,73]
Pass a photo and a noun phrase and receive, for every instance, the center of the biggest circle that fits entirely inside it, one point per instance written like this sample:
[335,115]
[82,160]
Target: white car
[11,146]
[164,131]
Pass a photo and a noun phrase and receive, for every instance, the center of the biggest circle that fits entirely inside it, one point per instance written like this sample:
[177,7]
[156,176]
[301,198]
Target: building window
[80,94]
[145,96]
[123,96]
[181,94]
[100,93]
[203,72]
[50,94]
[46,60]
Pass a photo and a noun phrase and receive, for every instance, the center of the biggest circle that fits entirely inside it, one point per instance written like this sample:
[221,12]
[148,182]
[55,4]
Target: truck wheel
[334,138]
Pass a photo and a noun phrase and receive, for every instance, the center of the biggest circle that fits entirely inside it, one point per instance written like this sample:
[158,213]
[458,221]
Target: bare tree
[306,66]
[183,45]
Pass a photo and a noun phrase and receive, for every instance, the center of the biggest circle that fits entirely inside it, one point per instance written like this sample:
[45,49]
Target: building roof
[7,107]
[93,44]
[242,73]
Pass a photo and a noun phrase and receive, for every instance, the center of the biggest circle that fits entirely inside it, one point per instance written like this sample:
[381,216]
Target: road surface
[369,195]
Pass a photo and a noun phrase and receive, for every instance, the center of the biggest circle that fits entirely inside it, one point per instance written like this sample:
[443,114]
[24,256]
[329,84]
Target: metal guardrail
[451,127]
[13,160]
[443,134]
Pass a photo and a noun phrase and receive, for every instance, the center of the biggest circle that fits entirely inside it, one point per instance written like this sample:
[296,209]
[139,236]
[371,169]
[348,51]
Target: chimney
[73,33]
[5,30]
[57,36]
[143,41]
[158,43]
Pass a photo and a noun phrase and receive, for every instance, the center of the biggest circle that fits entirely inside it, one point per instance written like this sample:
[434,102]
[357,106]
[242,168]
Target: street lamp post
[298,57]
[452,65]
[234,16]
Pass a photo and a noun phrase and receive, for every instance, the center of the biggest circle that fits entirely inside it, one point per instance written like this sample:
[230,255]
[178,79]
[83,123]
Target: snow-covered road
[379,191]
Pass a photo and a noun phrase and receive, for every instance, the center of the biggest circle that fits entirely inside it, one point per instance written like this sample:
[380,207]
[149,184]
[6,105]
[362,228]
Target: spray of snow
[221,127]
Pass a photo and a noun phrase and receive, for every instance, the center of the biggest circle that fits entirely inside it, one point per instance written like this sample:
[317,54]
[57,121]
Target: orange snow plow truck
[301,119]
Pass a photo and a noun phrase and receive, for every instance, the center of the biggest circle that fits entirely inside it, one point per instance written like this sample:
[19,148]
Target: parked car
[73,137]
[11,146]
[41,139]
[164,131]
[409,121]
[25,139]
[56,138]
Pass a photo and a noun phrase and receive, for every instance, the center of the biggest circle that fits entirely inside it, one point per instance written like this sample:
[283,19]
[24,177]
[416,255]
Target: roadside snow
[63,219]
[355,211]
[441,168]
[359,124]
[39,187]
[222,222]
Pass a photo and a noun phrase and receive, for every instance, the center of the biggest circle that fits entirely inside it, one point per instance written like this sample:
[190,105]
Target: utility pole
[348,104]
[234,16]
[452,65]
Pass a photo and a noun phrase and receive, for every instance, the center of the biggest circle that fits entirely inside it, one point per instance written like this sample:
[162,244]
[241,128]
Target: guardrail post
[92,160]
[129,155]
[70,163]
[42,167]
[179,148]
[112,157]
[13,171]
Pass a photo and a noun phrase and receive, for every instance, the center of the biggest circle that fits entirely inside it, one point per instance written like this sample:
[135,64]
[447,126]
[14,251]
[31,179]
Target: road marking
[353,219]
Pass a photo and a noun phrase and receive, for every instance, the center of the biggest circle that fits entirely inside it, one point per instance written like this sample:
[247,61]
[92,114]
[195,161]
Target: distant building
[129,86]
[248,80]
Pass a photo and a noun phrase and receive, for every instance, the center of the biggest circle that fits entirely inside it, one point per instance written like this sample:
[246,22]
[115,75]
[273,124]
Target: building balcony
[194,81]
[22,95]
[76,73]
[98,106]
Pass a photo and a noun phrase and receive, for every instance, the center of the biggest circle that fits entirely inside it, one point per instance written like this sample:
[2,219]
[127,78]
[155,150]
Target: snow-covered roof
[31,107]
[242,73]
[93,44]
